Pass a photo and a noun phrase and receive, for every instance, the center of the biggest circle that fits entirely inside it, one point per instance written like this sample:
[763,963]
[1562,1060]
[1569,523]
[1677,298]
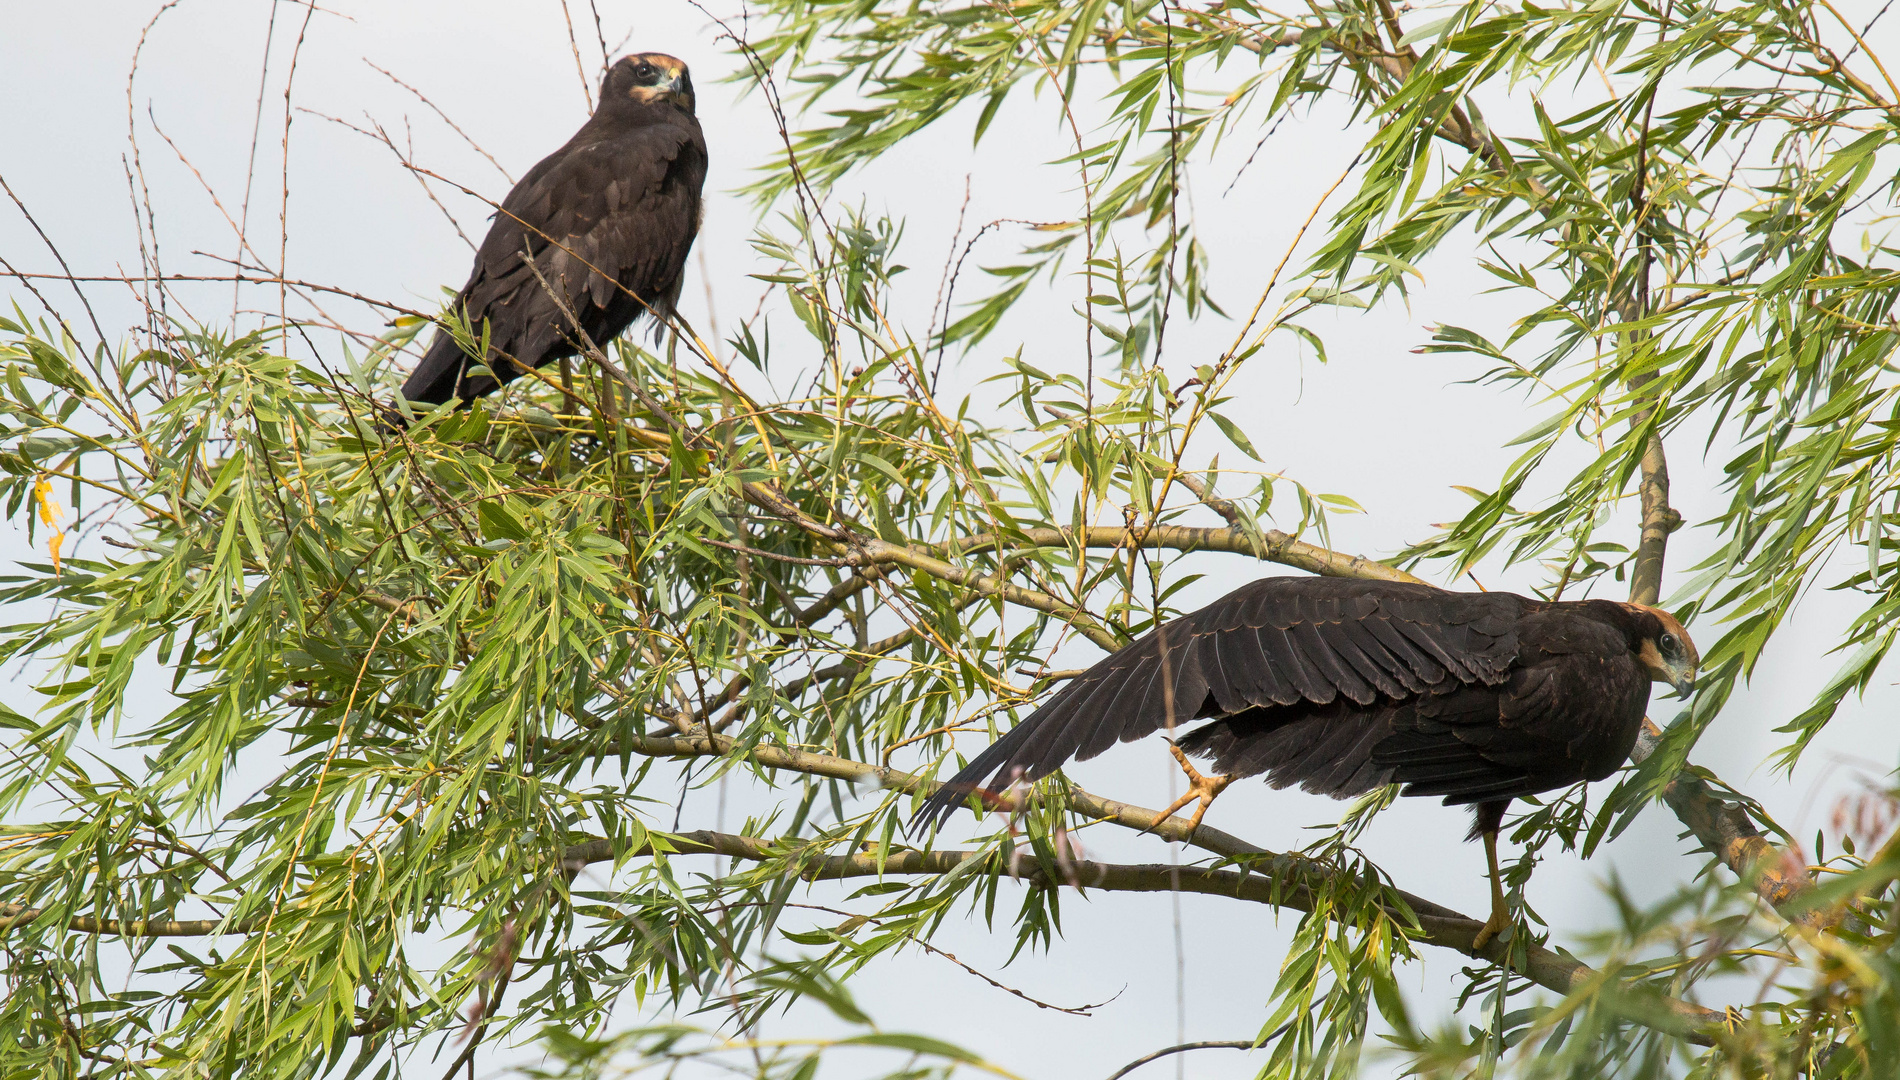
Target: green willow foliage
[421,680]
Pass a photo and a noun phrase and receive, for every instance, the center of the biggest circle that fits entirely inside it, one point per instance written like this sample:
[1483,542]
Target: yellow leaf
[49,508]
[52,548]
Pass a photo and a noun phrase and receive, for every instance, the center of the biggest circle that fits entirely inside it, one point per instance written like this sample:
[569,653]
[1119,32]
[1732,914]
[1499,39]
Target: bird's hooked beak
[1683,681]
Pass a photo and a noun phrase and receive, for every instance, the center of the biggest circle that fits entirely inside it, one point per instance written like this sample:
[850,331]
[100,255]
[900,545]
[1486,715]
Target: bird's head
[1668,655]
[650,79]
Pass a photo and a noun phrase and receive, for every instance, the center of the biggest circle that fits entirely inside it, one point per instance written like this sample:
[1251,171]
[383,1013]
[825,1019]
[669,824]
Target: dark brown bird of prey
[605,222]
[1342,686]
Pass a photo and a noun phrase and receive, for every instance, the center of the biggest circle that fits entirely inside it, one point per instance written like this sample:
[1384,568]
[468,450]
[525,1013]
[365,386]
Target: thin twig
[250,161]
[1079,1010]
[773,555]
[587,86]
[54,248]
[408,161]
[253,279]
[12,272]
[453,126]
[283,204]
[1184,1047]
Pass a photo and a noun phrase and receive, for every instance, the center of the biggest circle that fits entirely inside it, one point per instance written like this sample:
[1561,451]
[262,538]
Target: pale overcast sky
[1392,429]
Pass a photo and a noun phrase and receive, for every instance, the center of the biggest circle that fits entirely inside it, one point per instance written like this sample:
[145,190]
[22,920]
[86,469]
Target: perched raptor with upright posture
[1342,686]
[594,236]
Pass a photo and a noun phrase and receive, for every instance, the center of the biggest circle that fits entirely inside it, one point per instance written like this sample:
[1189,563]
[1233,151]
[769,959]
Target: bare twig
[407,160]
[253,279]
[1079,1010]
[1184,1047]
[453,126]
[587,86]
[250,161]
[54,248]
[773,555]
[283,203]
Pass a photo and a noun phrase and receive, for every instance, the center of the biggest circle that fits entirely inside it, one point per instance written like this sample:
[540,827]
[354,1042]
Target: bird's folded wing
[1277,641]
[595,213]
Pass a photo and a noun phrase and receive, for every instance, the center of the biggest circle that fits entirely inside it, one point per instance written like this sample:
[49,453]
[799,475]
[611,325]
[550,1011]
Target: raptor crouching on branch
[603,224]
[1341,686]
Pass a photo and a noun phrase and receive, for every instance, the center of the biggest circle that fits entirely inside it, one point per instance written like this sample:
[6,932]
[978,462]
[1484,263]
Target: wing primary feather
[1424,670]
[973,777]
[1278,643]
[1096,734]
[1430,638]
[1373,661]
[1318,638]
[1276,680]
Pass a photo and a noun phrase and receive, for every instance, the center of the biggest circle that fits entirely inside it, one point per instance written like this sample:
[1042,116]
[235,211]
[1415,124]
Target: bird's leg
[1500,910]
[1203,788]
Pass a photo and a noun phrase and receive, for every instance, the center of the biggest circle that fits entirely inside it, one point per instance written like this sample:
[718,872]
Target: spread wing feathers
[1436,744]
[1558,716]
[602,218]
[1271,644]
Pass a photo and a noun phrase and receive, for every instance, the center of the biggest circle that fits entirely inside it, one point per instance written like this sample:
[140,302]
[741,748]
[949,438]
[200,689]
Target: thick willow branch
[1777,875]
[1442,928]
[989,585]
[13,915]
[1140,819]
[1270,545]
[1724,829]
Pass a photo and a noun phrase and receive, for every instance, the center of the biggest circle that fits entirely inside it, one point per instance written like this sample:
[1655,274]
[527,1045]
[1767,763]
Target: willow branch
[990,585]
[1234,1044]
[1224,507]
[1457,126]
[1270,545]
[1723,828]
[1439,926]
[1289,884]
[248,279]
[1659,518]
[15,915]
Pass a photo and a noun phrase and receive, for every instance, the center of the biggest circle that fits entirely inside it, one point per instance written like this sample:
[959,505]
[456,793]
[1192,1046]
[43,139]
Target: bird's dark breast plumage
[608,220]
[1341,686]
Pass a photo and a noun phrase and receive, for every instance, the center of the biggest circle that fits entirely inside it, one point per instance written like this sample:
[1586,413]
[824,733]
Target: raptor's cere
[1341,686]
[595,236]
